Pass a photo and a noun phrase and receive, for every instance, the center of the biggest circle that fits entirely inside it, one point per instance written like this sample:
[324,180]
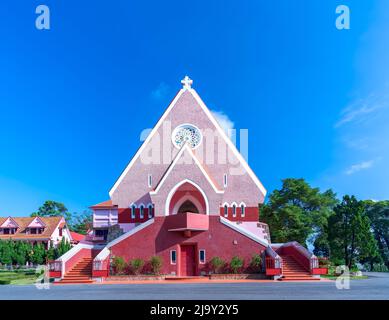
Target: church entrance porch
[188,260]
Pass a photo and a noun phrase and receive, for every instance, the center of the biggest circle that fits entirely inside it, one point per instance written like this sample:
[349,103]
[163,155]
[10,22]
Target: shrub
[256,263]
[217,264]
[119,265]
[156,264]
[5,282]
[136,265]
[324,263]
[380,267]
[236,264]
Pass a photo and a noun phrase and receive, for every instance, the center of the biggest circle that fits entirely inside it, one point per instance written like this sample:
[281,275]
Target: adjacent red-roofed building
[46,230]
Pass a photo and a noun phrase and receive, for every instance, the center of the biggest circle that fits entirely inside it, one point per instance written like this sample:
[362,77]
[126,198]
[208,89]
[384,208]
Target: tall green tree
[378,213]
[38,254]
[349,233]
[52,209]
[297,211]
[6,252]
[81,223]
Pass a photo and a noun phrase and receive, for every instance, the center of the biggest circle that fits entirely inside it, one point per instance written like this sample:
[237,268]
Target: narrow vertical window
[225,181]
[225,211]
[242,210]
[150,211]
[173,257]
[149,180]
[202,256]
[234,210]
[141,211]
[133,211]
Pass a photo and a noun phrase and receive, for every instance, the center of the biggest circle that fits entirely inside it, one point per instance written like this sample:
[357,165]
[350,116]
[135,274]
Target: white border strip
[246,233]
[145,143]
[185,147]
[215,123]
[129,233]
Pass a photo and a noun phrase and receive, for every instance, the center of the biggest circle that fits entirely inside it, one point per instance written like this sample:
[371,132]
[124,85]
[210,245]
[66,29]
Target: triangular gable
[37,222]
[240,158]
[9,223]
[186,148]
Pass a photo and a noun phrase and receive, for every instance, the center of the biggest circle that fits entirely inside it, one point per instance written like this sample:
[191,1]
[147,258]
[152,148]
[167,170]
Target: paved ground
[376,287]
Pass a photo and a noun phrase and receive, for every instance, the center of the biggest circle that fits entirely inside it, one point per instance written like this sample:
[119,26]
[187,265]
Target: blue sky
[74,99]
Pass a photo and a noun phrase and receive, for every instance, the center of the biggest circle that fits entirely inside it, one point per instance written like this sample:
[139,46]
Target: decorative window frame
[149,180]
[242,212]
[141,211]
[225,212]
[234,207]
[133,210]
[180,126]
[205,256]
[150,208]
[225,180]
[175,257]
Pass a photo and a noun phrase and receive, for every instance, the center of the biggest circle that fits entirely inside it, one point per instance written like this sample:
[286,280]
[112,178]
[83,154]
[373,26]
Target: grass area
[18,277]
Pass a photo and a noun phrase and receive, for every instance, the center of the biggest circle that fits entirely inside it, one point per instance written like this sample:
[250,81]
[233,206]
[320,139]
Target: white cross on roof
[187,82]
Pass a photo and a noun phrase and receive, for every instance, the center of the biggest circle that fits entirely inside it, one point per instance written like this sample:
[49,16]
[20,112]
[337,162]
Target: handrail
[103,254]
[273,260]
[313,261]
[55,265]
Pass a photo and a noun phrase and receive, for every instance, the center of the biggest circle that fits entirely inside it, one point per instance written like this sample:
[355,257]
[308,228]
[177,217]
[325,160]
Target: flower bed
[238,276]
[140,277]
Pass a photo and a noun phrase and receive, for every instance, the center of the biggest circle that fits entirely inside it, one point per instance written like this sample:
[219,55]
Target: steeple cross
[187,82]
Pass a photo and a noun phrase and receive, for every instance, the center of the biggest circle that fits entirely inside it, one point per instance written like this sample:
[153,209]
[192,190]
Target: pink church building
[186,196]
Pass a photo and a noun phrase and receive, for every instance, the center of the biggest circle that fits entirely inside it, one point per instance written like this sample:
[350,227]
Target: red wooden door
[187,260]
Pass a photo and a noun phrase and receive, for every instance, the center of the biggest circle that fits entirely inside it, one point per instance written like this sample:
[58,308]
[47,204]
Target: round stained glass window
[186,133]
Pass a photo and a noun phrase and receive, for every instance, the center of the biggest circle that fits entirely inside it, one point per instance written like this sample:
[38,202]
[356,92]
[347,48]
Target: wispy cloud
[359,166]
[160,92]
[363,109]
[225,122]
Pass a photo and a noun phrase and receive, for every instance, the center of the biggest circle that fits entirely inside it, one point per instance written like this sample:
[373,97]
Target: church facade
[186,196]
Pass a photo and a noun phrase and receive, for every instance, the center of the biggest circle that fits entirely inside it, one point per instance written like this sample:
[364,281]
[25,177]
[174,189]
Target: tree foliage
[297,211]
[349,233]
[378,213]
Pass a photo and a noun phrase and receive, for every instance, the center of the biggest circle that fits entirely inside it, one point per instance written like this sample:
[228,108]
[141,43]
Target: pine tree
[350,236]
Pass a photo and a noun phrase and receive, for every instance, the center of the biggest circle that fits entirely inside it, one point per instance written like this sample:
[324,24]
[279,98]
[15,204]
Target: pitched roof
[202,167]
[104,205]
[214,122]
[50,225]
[77,236]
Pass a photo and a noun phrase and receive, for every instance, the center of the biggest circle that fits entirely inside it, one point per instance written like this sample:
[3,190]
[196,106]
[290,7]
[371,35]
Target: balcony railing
[188,222]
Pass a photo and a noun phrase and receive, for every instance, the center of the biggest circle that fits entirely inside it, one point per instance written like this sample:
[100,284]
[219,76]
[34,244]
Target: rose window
[186,134]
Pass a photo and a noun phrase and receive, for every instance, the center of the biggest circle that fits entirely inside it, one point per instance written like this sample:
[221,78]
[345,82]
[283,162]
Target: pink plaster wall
[219,240]
[134,186]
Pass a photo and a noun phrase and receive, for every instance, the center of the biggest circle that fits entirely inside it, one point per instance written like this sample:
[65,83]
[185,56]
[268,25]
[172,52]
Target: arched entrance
[186,196]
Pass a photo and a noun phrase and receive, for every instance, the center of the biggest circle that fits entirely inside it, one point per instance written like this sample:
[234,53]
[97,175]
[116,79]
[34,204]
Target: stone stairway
[292,270]
[80,273]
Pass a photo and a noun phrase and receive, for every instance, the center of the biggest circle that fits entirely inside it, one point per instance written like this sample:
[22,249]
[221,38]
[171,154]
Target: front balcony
[188,222]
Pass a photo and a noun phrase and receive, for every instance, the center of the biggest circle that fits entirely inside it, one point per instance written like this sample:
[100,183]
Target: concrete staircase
[80,273]
[292,270]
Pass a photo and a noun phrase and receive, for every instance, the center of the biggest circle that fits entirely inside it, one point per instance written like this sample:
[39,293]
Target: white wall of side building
[105,218]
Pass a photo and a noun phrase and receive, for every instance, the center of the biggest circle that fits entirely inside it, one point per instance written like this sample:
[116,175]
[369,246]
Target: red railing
[101,268]
[273,266]
[55,265]
[55,269]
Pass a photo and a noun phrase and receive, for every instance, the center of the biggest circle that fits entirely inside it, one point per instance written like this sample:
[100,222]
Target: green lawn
[17,277]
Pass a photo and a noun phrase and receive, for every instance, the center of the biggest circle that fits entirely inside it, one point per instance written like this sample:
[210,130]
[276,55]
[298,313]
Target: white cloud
[160,92]
[363,109]
[359,166]
[225,122]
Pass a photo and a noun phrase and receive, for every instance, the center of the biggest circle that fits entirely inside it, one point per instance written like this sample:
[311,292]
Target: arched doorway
[186,196]
[188,206]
